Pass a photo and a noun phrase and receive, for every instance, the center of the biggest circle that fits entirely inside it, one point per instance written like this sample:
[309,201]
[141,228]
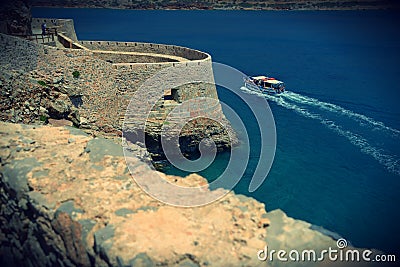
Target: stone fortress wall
[63,25]
[135,62]
[110,75]
[171,50]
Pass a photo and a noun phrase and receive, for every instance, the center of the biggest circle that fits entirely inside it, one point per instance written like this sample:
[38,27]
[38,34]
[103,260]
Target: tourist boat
[264,84]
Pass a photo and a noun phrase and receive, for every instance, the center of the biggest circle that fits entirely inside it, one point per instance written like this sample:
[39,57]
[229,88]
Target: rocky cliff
[67,199]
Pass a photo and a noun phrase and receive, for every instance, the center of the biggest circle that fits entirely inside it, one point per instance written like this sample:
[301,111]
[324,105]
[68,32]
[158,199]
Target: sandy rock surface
[82,183]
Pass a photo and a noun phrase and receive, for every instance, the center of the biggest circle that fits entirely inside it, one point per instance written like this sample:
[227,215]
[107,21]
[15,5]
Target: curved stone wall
[132,57]
[136,62]
[172,50]
[135,74]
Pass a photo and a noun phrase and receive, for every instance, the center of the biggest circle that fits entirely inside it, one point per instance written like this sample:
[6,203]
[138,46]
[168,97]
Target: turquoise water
[338,149]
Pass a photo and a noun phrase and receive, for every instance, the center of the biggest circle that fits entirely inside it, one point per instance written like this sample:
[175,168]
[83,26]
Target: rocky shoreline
[225,5]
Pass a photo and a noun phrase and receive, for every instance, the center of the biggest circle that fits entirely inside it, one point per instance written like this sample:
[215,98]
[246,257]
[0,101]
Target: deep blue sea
[338,129]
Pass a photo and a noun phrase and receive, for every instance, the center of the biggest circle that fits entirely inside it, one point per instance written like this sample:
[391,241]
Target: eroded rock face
[31,93]
[67,199]
[15,17]
[189,138]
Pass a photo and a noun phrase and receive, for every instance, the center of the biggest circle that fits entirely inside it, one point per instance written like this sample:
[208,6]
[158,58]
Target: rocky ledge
[67,199]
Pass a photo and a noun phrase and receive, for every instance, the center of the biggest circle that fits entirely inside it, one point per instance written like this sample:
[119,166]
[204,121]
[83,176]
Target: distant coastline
[270,5]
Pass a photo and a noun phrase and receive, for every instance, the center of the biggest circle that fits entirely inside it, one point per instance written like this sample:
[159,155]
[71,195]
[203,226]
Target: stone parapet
[174,50]
[64,26]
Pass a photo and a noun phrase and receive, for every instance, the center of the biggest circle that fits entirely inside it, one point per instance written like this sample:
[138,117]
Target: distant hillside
[226,4]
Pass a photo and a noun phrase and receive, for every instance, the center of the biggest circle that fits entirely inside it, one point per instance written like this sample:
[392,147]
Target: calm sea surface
[338,129]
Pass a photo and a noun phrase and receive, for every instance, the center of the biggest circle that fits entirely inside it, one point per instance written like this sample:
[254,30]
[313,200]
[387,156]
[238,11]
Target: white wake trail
[301,99]
[390,162]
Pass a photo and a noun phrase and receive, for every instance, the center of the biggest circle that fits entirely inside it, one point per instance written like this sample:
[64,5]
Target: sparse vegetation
[76,74]
[43,118]
[42,83]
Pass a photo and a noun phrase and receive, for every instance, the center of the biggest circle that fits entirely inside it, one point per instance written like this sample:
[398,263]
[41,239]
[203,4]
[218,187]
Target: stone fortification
[64,26]
[38,84]
[109,75]
[173,50]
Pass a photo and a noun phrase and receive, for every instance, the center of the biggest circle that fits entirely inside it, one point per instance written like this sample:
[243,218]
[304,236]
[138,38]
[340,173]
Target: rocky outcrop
[67,199]
[44,100]
[15,17]
[41,83]
[188,141]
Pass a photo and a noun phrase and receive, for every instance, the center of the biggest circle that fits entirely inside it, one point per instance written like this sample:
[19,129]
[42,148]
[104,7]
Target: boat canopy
[259,77]
[273,81]
[266,84]
[266,79]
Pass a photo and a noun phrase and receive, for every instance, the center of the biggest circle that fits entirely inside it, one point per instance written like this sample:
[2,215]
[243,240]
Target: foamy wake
[390,162]
[339,110]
